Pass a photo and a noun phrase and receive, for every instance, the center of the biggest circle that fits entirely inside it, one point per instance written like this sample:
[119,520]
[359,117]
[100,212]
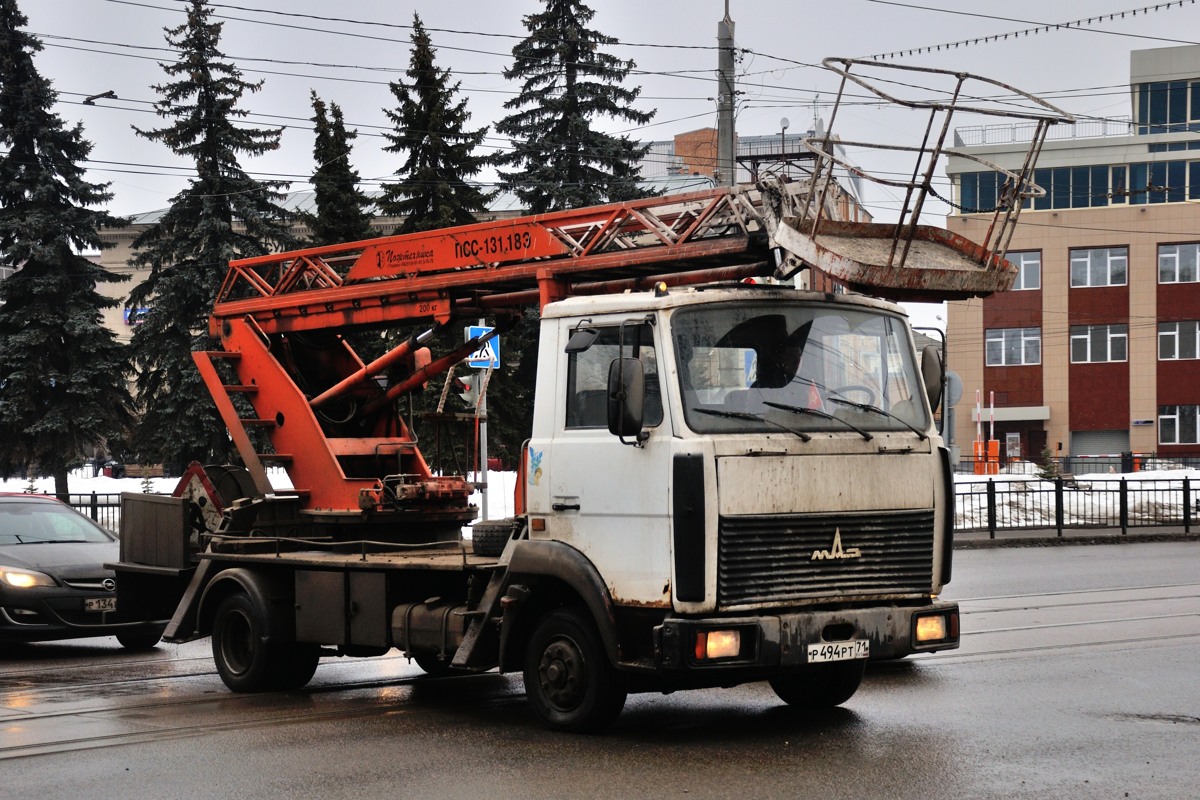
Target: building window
[1163,107]
[1096,344]
[1177,263]
[1074,187]
[1177,425]
[1029,269]
[1159,182]
[1099,266]
[1013,347]
[1178,340]
[5,273]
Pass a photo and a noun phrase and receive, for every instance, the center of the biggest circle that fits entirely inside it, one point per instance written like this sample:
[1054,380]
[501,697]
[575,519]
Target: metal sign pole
[482,411]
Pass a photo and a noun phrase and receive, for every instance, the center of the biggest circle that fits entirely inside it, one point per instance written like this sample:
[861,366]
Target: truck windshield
[757,367]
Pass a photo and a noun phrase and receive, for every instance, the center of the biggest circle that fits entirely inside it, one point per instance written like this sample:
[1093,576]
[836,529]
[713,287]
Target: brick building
[1097,348]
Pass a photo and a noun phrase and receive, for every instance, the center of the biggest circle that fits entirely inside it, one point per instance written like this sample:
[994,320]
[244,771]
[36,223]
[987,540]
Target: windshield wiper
[744,415]
[880,411]
[814,412]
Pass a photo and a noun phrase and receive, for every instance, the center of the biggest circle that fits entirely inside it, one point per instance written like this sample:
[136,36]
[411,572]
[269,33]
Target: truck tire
[293,664]
[138,641]
[239,645]
[489,538]
[569,680]
[435,667]
[820,686]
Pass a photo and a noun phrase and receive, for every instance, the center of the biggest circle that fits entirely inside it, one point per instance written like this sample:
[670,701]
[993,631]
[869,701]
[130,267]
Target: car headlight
[24,578]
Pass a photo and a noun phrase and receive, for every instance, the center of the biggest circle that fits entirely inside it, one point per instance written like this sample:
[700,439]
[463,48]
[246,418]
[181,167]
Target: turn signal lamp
[718,644]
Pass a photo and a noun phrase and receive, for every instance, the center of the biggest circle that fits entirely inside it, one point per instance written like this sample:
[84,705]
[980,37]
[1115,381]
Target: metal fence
[1006,504]
[103,508]
[1122,502]
[1080,465]
[1021,132]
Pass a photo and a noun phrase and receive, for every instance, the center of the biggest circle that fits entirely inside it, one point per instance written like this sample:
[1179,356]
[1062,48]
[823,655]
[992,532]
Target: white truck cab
[786,486]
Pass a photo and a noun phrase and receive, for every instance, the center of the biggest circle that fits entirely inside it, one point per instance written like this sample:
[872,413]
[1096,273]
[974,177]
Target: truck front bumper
[793,640]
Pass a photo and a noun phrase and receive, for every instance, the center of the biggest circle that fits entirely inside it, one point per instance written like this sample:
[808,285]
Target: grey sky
[94,46]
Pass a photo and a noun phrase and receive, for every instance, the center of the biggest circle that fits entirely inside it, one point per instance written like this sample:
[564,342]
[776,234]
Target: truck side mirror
[626,399]
[581,339]
[933,375]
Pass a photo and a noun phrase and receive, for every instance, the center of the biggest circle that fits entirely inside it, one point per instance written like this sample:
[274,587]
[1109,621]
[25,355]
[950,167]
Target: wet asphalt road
[1079,676]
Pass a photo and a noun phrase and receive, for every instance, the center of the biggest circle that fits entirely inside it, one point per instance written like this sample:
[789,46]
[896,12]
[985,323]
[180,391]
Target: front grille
[768,558]
[88,584]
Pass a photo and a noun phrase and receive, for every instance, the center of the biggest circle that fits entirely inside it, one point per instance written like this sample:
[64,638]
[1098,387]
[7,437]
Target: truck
[728,478]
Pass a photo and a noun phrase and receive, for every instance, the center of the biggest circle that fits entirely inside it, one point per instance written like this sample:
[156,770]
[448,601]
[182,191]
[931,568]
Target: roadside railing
[1076,465]
[102,508]
[1010,503]
[1123,502]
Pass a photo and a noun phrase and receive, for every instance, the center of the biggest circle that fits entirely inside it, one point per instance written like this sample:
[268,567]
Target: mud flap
[182,627]
[481,644]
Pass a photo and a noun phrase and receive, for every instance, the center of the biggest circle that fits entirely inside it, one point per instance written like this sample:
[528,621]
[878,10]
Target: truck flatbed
[453,556]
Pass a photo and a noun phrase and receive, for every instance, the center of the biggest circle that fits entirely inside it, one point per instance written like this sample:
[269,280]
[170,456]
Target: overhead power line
[396,25]
[1038,27]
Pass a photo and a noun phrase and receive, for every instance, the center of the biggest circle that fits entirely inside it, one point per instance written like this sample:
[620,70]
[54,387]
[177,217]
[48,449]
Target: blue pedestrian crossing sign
[488,354]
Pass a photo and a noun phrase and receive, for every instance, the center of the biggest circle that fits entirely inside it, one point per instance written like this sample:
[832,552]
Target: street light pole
[726,139]
[783,126]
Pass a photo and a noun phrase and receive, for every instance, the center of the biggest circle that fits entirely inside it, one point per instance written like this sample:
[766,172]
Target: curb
[1058,541]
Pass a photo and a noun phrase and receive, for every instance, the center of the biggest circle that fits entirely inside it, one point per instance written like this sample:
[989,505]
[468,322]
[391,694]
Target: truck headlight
[24,578]
[939,627]
[718,644]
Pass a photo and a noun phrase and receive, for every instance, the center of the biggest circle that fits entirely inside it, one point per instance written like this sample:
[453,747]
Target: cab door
[607,499]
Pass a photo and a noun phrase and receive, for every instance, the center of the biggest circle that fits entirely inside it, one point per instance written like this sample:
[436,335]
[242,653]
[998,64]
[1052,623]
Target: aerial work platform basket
[906,260]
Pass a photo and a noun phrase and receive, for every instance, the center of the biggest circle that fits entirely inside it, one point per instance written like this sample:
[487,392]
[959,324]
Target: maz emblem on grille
[836,551]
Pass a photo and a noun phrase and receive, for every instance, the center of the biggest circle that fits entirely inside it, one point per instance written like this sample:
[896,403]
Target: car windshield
[765,367]
[38,522]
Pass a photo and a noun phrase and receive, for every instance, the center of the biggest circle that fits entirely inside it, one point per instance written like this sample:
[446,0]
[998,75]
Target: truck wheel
[568,678]
[435,667]
[239,645]
[138,641]
[489,538]
[820,686]
[293,664]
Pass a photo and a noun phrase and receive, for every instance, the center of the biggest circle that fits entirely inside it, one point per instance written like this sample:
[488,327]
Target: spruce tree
[341,207]
[63,376]
[559,159]
[430,127]
[221,215]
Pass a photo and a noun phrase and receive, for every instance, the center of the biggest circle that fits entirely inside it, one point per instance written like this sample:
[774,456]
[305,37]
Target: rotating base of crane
[213,492]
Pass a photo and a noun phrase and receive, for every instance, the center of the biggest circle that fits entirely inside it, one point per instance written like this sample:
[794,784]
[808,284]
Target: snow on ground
[82,484]
[1022,498]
